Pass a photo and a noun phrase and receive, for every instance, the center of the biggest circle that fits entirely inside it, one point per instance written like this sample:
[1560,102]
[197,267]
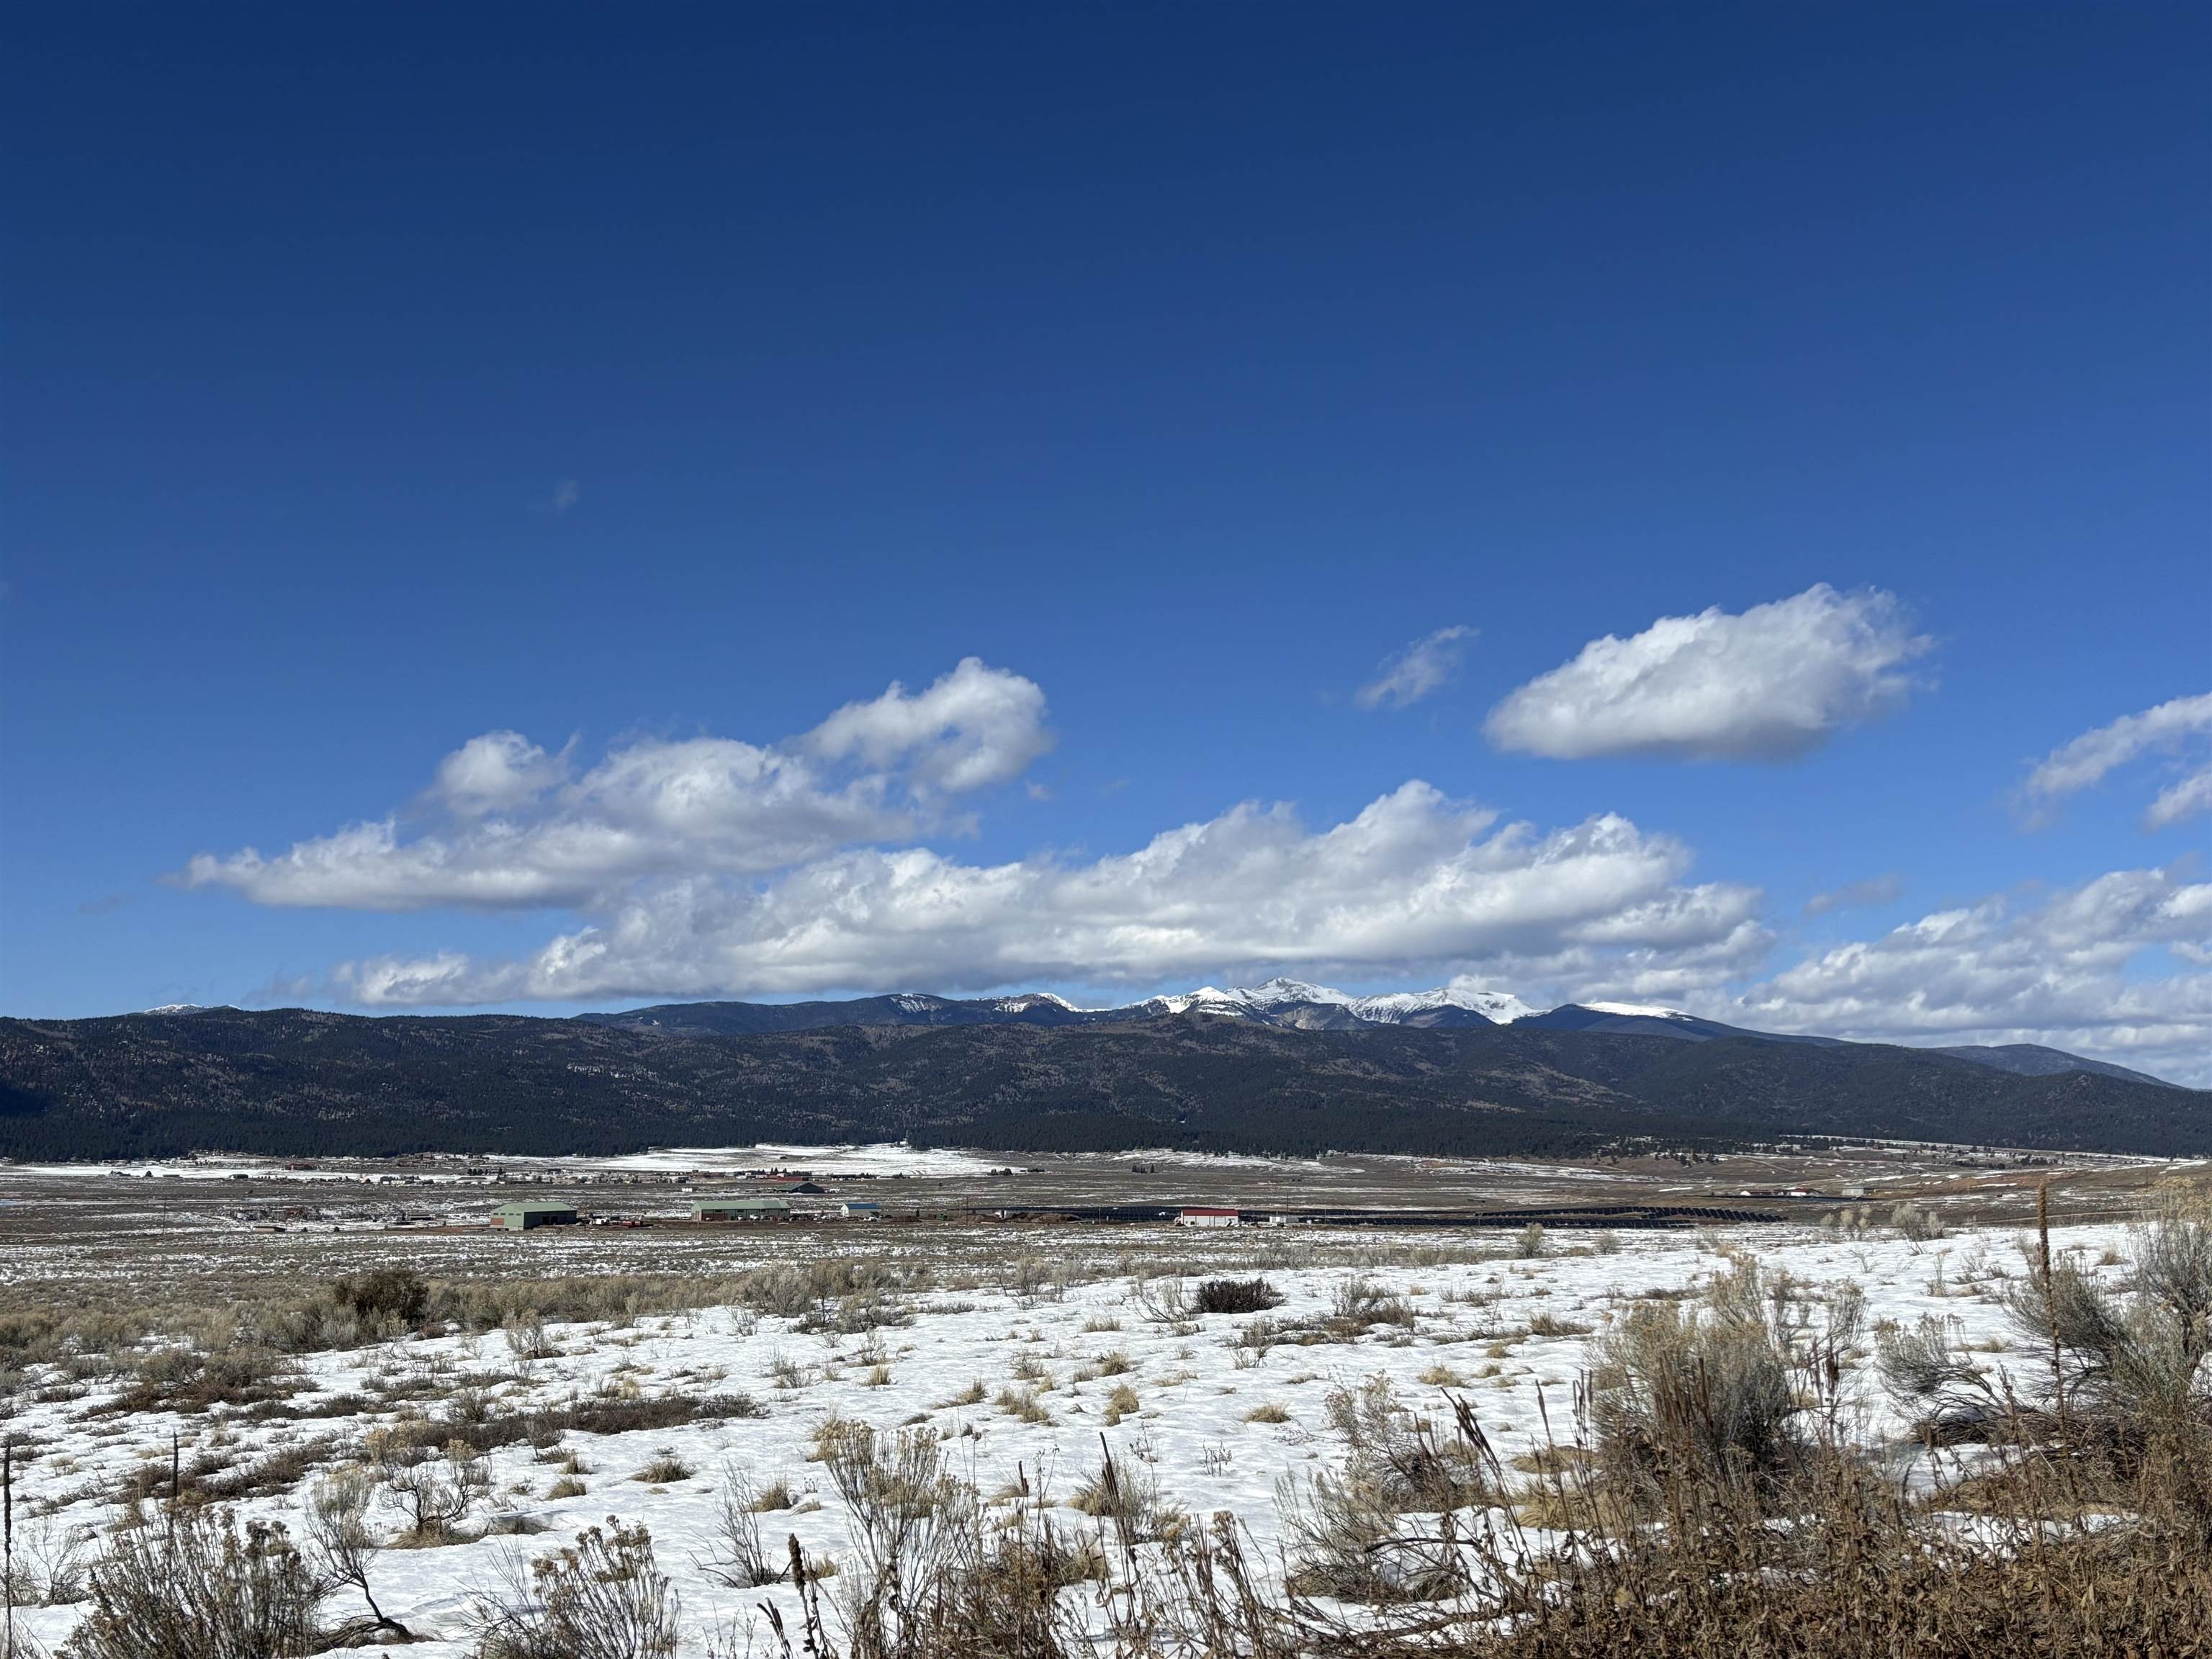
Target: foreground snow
[1196,1388]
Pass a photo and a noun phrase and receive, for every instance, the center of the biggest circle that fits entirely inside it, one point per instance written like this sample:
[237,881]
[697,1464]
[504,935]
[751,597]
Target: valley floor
[1029,1351]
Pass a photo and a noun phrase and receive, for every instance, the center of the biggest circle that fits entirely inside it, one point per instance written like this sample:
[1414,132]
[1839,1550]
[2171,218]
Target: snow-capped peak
[1390,1008]
[1029,999]
[1280,990]
[179,1008]
[1501,1007]
[1636,1010]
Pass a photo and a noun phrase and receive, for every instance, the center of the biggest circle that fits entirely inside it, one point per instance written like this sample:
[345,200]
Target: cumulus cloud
[2076,969]
[2177,727]
[519,831]
[1407,676]
[975,727]
[496,773]
[1769,684]
[1413,882]
[1857,895]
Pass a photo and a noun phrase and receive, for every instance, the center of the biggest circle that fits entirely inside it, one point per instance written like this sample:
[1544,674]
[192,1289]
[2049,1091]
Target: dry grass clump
[1543,1323]
[1022,1403]
[664,1470]
[1131,1502]
[1273,1411]
[1121,1403]
[1357,1305]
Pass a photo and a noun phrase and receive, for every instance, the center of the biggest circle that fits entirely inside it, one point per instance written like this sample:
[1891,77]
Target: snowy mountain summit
[1392,1008]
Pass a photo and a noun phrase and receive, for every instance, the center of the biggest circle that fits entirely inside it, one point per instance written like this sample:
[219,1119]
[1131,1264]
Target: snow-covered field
[884,1159]
[1020,1386]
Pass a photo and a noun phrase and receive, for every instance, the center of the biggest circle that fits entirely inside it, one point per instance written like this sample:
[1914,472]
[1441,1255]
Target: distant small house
[860,1210]
[523,1214]
[1201,1215]
[740,1209]
[806,1189]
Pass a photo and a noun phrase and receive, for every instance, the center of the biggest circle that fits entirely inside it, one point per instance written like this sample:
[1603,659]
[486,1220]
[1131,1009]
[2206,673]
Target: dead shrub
[602,1597]
[182,1378]
[1238,1296]
[345,1545]
[384,1297]
[1357,1305]
[439,1490]
[1398,1454]
[197,1587]
[1717,1388]
[743,1561]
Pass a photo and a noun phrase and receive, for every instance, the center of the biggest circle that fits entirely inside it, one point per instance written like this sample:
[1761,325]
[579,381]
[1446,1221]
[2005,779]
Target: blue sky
[653,385]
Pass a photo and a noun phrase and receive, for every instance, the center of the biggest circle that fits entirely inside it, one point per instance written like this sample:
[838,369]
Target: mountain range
[1283,1067]
[1295,1005]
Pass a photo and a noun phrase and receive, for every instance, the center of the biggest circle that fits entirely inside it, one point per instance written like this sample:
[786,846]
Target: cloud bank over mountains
[714,867]
[2057,968]
[1413,879]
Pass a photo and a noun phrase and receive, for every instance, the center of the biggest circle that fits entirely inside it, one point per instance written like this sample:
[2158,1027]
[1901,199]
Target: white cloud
[1407,676]
[975,725]
[2075,969]
[1415,883]
[496,773]
[1769,684]
[2181,799]
[521,833]
[1857,895]
[2171,727]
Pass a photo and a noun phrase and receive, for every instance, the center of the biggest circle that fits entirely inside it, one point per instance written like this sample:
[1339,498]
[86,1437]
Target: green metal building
[523,1213]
